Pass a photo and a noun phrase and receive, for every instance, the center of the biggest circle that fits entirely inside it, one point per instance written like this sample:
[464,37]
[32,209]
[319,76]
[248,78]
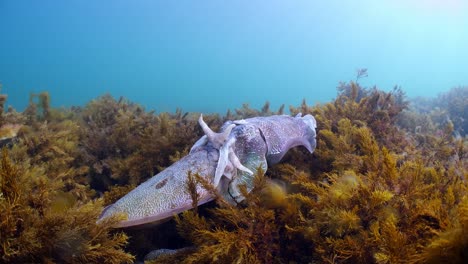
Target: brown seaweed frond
[370,193]
[39,107]
[54,147]
[449,246]
[383,186]
[3,98]
[246,234]
[363,198]
[431,115]
[191,188]
[439,146]
[377,109]
[455,101]
[127,145]
[116,192]
[246,111]
[35,228]
[80,240]
[211,189]
[385,216]
[367,204]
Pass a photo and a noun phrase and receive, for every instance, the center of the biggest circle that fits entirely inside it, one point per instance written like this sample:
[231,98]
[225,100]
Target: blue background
[213,55]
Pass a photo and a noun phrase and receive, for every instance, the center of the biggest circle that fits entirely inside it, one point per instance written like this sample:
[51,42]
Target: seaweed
[54,148]
[382,215]
[10,122]
[374,108]
[3,98]
[246,234]
[38,108]
[432,114]
[33,230]
[364,197]
[246,111]
[456,103]
[386,184]
[126,145]
[449,246]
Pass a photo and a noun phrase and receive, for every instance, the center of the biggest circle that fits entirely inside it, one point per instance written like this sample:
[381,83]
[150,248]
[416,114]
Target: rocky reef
[387,183]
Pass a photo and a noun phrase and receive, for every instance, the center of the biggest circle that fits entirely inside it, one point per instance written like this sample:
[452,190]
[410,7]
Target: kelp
[370,194]
[48,215]
[386,184]
[456,103]
[33,229]
[126,145]
[10,122]
[374,108]
[450,245]
[53,147]
[3,98]
[428,115]
[244,234]
[384,214]
[374,207]
[38,108]
[246,111]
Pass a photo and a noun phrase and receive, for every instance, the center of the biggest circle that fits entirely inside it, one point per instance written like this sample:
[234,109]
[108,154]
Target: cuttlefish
[226,160]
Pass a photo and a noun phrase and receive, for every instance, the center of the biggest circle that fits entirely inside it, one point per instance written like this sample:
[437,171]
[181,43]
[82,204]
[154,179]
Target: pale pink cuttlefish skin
[164,195]
[226,160]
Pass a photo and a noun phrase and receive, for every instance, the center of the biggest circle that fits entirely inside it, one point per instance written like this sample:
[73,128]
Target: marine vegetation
[48,212]
[432,114]
[124,144]
[10,122]
[41,224]
[369,199]
[246,112]
[455,101]
[387,183]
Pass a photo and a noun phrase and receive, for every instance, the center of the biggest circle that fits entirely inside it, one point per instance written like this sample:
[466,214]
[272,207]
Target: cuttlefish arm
[226,160]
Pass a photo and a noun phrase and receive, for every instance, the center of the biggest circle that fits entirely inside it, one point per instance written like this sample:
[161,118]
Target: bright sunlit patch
[435,5]
[448,4]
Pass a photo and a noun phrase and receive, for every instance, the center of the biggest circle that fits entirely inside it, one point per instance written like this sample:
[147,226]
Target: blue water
[212,55]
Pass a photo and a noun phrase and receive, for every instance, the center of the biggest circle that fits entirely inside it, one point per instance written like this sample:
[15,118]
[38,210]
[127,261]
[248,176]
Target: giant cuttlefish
[226,160]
